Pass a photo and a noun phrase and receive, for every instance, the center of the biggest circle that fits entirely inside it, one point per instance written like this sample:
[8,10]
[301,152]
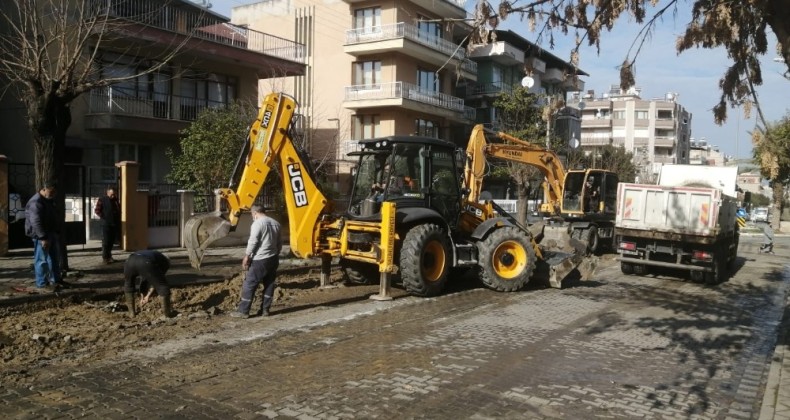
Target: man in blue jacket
[42,225]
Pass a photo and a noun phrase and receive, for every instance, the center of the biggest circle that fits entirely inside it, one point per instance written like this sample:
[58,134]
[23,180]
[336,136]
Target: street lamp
[528,82]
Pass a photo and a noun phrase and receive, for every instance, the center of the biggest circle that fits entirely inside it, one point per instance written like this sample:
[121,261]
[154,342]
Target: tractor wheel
[425,260]
[627,268]
[358,272]
[507,259]
[697,276]
[590,237]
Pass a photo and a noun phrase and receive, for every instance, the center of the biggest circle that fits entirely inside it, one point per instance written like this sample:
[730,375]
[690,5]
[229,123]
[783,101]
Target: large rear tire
[425,260]
[356,272]
[507,259]
[720,272]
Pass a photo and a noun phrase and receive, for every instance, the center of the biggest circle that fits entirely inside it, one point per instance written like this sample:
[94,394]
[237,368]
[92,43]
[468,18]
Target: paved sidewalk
[89,274]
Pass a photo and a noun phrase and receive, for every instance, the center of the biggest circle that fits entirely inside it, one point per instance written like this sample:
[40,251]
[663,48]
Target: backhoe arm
[268,144]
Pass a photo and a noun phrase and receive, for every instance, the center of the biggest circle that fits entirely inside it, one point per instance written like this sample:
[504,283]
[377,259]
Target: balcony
[474,90]
[409,40]
[553,75]
[113,108]
[444,8]
[194,25]
[664,141]
[408,96]
[665,123]
[501,52]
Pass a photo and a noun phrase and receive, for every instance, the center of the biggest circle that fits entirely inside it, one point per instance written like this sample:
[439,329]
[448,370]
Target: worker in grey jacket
[261,259]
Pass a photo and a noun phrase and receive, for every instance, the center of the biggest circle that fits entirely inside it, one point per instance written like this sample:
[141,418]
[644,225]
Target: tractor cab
[413,172]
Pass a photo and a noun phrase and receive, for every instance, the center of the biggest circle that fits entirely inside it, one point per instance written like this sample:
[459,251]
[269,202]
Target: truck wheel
[425,260]
[719,273]
[627,268]
[507,259]
[590,237]
[697,276]
[357,272]
[640,269]
[733,254]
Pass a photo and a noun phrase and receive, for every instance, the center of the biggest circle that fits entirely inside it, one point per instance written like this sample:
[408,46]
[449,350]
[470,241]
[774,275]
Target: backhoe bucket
[563,257]
[200,231]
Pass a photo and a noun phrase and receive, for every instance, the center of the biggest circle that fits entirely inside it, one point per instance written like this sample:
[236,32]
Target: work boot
[167,307]
[130,304]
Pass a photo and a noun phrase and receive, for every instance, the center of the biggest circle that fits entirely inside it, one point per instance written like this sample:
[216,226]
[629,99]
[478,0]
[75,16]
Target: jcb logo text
[297,185]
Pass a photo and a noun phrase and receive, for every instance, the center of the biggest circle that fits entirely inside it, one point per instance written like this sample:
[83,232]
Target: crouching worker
[151,267]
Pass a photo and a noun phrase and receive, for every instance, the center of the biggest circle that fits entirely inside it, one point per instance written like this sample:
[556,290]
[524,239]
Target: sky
[693,76]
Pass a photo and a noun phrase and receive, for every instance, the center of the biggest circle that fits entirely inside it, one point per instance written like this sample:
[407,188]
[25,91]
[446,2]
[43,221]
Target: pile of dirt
[74,330]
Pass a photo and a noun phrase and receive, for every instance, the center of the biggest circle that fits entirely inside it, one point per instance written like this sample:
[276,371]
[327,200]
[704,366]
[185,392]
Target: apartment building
[502,65]
[703,153]
[374,68]
[656,131]
[141,118]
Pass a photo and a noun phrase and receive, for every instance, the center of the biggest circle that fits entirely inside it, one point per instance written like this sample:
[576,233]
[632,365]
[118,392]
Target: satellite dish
[527,82]
[574,143]
[582,105]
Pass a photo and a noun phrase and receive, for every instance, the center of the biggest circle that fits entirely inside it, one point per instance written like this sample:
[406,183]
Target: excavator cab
[589,193]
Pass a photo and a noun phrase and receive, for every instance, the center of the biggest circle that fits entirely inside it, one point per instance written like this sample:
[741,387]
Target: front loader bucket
[200,231]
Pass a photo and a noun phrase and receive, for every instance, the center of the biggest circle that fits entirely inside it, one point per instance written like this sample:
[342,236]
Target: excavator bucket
[200,231]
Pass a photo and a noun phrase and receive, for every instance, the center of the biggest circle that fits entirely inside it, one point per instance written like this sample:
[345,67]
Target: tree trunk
[522,203]
[48,126]
[776,209]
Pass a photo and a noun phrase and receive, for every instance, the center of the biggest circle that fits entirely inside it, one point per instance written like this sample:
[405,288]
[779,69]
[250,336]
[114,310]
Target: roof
[409,139]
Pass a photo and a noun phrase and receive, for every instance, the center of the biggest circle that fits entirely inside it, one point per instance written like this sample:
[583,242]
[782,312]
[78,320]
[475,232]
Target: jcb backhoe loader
[579,204]
[406,216]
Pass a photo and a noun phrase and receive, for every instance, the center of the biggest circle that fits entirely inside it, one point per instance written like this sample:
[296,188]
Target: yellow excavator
[578,204]
[408,215]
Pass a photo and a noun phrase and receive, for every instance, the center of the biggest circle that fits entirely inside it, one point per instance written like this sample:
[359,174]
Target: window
[664,114]
[428,80]
[368,18]
[200,91]
[366,127]
[426,128]
[111,153]
[618,115]
[496,76]
[640,115]
[428,30]
[367,73]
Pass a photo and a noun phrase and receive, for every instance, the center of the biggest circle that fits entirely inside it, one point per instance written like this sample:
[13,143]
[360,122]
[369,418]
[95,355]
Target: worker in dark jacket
[150,266]
[42,225]
[108,208]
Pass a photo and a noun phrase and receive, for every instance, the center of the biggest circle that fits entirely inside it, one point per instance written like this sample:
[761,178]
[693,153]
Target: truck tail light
[628,246]
[702,255]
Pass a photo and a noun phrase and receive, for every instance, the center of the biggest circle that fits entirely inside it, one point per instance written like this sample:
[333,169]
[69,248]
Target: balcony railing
[491,88]
[114,100]
[412,33]
[397,90]
[199,25]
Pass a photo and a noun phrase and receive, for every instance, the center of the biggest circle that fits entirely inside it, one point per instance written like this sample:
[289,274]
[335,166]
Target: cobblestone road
[614,347]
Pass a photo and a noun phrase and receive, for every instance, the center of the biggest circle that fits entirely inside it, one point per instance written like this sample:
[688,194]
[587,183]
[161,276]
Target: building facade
[140,118]
[657,131]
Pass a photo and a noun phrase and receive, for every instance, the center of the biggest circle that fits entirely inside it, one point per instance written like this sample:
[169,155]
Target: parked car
[760,214]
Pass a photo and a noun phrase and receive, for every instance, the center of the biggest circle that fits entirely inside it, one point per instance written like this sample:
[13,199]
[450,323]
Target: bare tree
[53,51]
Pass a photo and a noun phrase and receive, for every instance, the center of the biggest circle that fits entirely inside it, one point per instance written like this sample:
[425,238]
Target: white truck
[687,221]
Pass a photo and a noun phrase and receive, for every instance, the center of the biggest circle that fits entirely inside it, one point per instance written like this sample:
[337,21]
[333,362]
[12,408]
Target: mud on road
[77,330]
